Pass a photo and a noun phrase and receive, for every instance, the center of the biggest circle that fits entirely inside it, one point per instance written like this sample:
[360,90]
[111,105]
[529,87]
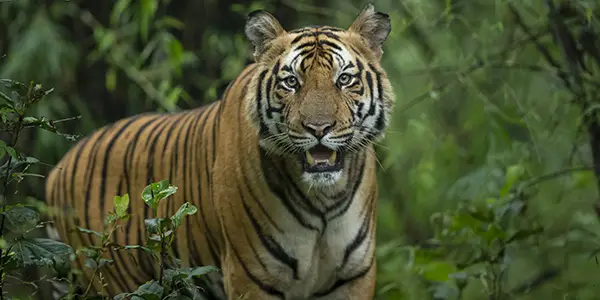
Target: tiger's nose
[318,129]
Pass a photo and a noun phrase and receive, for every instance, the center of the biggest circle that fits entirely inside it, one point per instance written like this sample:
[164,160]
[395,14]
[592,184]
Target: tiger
[282,170]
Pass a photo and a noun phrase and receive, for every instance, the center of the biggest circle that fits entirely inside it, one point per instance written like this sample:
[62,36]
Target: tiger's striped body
[279,224]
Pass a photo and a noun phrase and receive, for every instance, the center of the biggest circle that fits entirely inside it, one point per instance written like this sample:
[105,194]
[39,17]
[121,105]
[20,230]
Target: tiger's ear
[373,26]
[262,28]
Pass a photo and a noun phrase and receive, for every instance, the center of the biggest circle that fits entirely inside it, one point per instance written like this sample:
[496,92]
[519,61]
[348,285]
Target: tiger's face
[319,93]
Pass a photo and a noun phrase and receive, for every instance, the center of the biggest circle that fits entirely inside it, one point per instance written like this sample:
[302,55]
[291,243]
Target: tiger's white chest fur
[341,251]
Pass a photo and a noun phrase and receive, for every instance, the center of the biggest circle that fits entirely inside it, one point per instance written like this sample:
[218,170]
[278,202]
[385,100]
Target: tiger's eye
[344,79]
[291,82]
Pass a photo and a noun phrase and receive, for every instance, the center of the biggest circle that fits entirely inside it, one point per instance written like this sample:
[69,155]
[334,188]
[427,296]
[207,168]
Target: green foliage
[19,250]
[174,281]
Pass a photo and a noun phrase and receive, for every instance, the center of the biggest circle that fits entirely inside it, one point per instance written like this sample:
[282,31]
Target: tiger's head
[319,93]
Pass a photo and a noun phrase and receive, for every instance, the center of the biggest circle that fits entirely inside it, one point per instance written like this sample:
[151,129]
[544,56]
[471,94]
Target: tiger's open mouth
[322,159]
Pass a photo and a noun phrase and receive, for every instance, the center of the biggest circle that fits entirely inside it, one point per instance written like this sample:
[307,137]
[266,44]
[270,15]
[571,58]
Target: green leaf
[88,252]
[201,271]
[90,263]
[153,225]
[134,247]
[89,231]
[185,209]
[118,10]
[12,152]
[111,79]
[6,98]
[150,290]
[157,191]
[147,11]
[21,219]
[513,174]
[121,204]
[41,252]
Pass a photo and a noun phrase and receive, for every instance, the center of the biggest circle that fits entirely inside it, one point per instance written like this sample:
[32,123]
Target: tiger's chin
[322,166]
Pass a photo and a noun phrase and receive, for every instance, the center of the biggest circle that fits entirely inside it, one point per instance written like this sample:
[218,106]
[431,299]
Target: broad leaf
[21,219]
[157,191]
[89,231]
[185,209]
[121,204]
[150,290]
[41,252]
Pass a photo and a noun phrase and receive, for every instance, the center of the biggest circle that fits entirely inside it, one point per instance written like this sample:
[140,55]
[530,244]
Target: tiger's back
[124,157]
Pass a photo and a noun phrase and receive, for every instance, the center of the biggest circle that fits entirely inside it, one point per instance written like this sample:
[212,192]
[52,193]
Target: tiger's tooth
[332,157]
[309,159]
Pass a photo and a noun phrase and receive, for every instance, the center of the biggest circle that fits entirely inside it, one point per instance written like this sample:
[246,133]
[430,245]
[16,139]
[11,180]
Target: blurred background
[487,189]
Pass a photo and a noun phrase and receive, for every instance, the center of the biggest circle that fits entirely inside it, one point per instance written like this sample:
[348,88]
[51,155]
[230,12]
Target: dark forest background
[487,182]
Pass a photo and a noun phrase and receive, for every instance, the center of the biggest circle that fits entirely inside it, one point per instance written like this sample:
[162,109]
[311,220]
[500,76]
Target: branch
[474,67]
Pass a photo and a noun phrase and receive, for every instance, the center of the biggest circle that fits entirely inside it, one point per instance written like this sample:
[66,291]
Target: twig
[474,67]
[554,175]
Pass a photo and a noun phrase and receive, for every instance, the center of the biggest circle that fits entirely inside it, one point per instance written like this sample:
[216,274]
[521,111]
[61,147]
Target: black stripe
[341,282]
[263,127]
[360,237]
[209,237]
[270,243]
[91,165]
[330,44]
[245,179]
[330,35]
[278,192]
[144,263]
[264,287]
[371,88]
[127,165]
[262,264]
[303,35]
[310,44]
[348,202]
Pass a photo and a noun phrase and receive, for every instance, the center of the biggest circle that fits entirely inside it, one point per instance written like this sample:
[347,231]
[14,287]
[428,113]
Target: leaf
[152,225]
[201,271]
[121,204]
[89,231]
[21,219]
[111,79]
[513,174]
[16,86]
[88,252]
[157,191]
[147,11]
[185,209]
[150,290]
[118,10]
[41,252]
[133,247]
[6,98]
